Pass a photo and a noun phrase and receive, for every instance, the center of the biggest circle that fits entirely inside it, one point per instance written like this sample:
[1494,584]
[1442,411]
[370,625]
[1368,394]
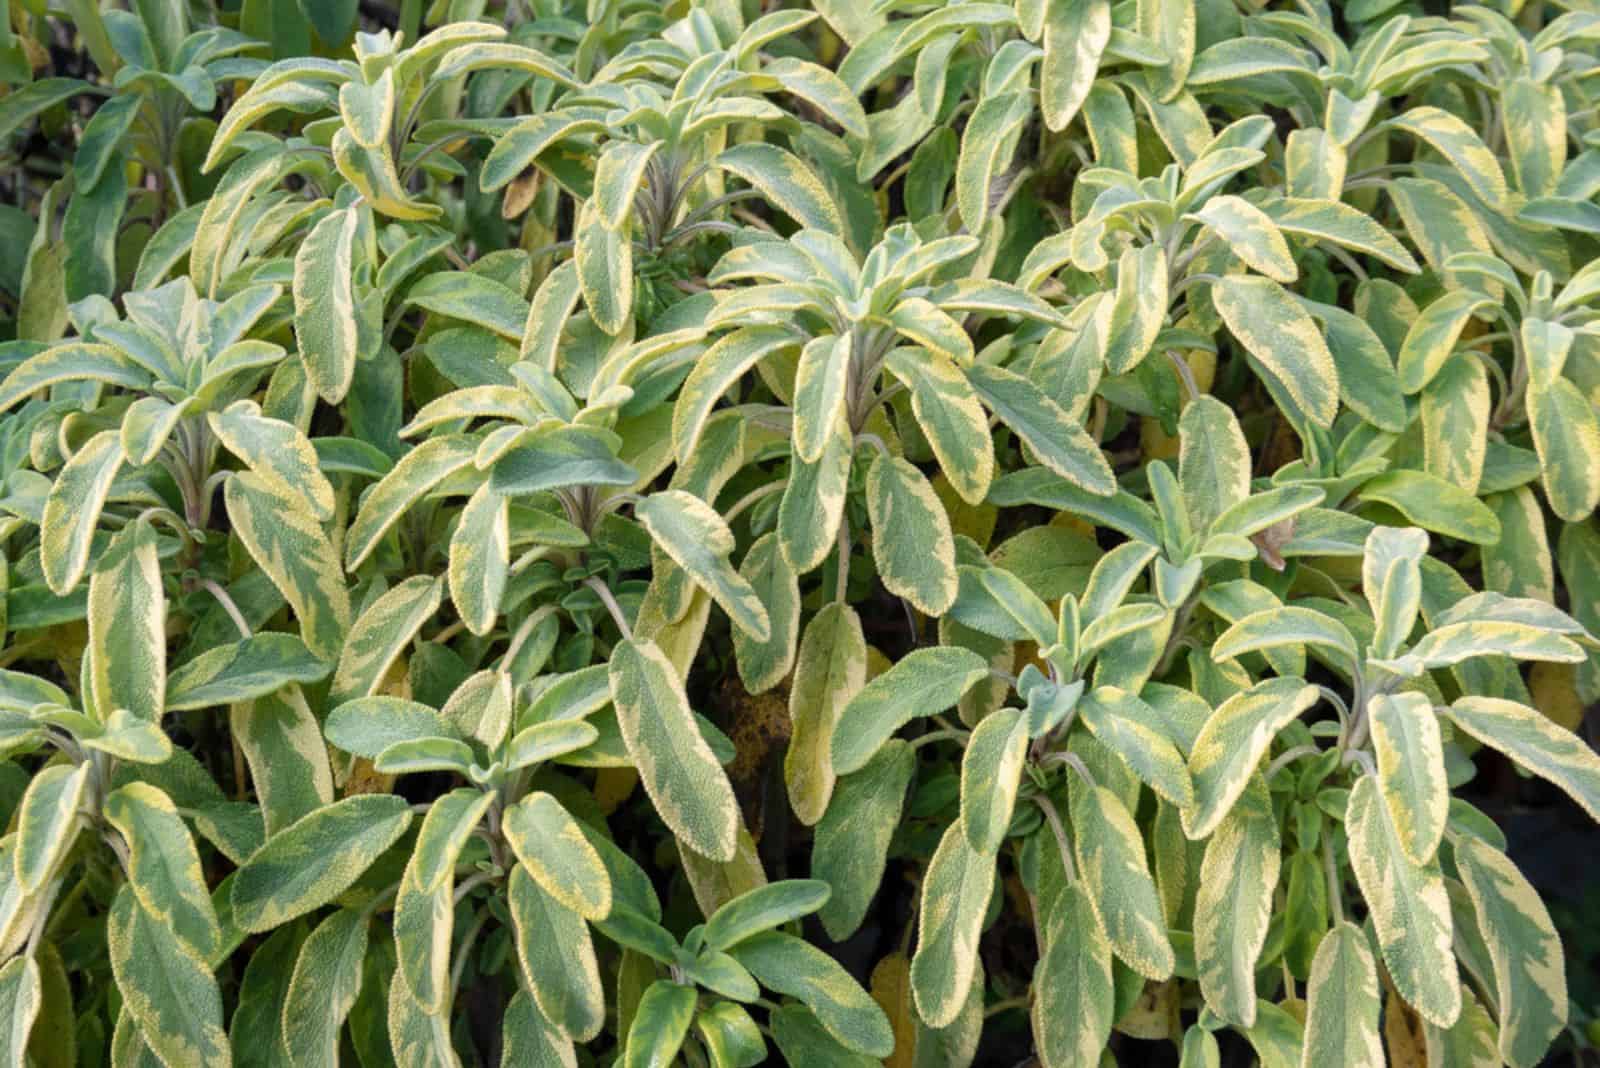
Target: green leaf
[948,412]
[1075,36]
[72,510]
[813,505]
[1411,770]
[1073,1005]
[412,477]
[762,909]
[1251,234]
[277,452]
[764,664]
[1233,741]
[1058,442]
[991,770]
[605,269]
[1342,1002]
[367,726]
[323,988]
[1214,461]
[911,539]
[127,619]
[552,456]
[1138,309]
[382,633]
[716,371]
[314,860]
[1339,224]
[955,897]
[165,987]
[1433,336]
[1566,434]
[1127,726]
[924,682]
[48,822]
[527,1038]
[546,741]
[986,148]
[1233,907]
[1535,742]
[851,846]
[549,843]
[697,539]
[450,821]
[821,382]
[618,175]
[164,866]
[242,671]
[1434,504]
[21,1001]
[660,1024]
[480,559]
[423,922]
[797,969]
[687,785]
[1529,969]
[1409,908]
[1286,625]
[557,959]
[785,182]
[1457,142]
[291,547]
[325,305]
[1111,862]
[1283,340]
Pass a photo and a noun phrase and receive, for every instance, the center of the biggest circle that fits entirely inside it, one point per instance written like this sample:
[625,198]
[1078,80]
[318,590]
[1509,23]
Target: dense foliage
[858,532]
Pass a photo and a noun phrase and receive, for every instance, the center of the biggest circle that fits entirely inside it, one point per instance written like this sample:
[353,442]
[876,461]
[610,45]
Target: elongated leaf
[242,671]
[762,909]
[1234,905]
[955,896]
[1058,442]
[549,843]
[852,838]
[1231,744]
[1411,770]
[127,626]
[311,862]
[1534,741]
[1074,1001]
[922,683]
[165,987]
[323,988]
[1529,969]
[1342,1003]
[381,634]
[690,790]
[557,958]
[1129,727]
[911,539]
[164,866]
[1409,908]
[798,969]
[287,543]
[48,821]
[324,304]
[991,770]
[698,540]
[72,510]
[1111,861]
[1283,340]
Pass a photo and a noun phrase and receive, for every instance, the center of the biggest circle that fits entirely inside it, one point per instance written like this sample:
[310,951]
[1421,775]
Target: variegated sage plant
[709,533]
